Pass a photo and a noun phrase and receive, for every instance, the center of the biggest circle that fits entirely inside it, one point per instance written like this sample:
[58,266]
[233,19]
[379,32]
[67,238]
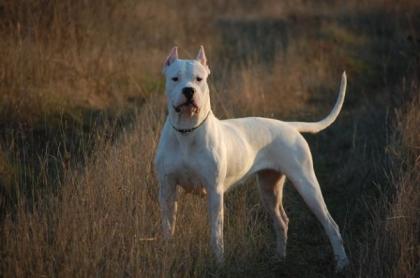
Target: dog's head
[186,89]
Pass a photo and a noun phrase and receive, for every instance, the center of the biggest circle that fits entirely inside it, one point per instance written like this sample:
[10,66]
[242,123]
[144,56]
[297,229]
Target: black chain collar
[188,130]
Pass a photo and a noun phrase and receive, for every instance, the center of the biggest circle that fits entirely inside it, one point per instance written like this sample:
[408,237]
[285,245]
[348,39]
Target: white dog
[201,153]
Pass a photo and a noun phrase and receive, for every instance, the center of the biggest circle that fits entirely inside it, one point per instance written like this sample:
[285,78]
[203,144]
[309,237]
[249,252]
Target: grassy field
[82,105]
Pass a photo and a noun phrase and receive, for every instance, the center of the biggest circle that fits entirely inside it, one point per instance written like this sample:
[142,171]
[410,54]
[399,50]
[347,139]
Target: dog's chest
[187,175]
[187,170]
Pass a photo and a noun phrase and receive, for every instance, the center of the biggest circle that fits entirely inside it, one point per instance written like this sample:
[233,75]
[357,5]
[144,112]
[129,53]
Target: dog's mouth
[189,107]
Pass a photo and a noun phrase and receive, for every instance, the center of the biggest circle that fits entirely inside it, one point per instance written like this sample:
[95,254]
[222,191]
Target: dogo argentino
[201,153]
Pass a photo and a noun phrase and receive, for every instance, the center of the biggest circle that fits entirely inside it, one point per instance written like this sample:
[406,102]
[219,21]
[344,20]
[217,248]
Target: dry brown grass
[402,225]
[82,106]
[393,228]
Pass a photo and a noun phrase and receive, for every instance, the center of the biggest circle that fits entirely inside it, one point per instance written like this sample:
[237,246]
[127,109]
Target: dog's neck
[188,130]
[186,124]
[191,140]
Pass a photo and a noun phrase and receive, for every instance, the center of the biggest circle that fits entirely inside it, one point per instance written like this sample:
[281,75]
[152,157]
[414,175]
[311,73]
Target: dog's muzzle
[189,103]
[188,93]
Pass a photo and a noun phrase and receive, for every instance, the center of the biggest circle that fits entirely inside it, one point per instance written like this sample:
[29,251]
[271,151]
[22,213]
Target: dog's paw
[279,256]
[342,264]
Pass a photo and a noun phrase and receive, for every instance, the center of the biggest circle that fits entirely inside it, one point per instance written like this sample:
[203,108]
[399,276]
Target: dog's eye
[198,78]
[175,79]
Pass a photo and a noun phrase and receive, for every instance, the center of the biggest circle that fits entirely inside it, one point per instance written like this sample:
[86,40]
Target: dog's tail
[327,121]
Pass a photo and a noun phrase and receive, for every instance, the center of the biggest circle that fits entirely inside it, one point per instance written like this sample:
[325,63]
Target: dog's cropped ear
[201,57]
[172,57]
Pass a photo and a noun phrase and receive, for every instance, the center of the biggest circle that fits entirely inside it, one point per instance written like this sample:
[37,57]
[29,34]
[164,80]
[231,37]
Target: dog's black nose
[188,92]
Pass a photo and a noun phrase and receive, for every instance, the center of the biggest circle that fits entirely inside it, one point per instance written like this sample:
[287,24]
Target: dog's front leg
[168,206]
[215,199]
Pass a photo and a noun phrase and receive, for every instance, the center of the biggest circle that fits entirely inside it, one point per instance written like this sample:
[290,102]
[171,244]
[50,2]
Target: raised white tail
[327,121]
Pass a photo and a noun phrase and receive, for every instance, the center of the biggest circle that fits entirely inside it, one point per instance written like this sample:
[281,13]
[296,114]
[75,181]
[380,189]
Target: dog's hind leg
[271,185]
[306,183]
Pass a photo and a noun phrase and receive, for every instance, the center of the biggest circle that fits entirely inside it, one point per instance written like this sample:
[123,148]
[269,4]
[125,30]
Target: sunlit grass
[82,106]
